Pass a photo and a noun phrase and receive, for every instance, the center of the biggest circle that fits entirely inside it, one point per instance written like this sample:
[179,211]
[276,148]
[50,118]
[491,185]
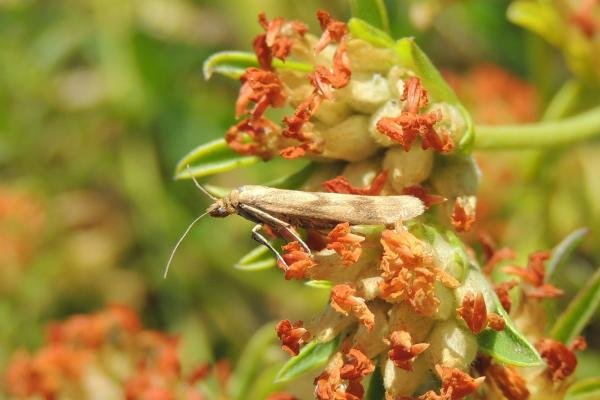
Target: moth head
[221,208]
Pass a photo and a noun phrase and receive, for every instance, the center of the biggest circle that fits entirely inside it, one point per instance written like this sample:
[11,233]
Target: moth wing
[331,208]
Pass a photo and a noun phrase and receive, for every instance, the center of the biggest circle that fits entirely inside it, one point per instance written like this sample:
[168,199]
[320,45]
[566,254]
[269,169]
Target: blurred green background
[100,98]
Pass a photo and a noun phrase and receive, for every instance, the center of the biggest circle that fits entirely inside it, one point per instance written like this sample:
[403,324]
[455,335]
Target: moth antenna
[183,236]
[199,186]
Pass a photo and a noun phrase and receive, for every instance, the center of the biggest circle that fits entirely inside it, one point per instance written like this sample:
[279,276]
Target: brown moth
[282,210]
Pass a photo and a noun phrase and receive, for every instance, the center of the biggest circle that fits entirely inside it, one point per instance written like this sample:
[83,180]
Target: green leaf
[585,389]
[579,312]
[376,390]
[258,259]
[413,57]
[294,180]
[211,158]
[537,17]
[371,11]
[251,360]
[311,357]
[232,64]
[365,31]
[563,250]
[508,346]
[319,284]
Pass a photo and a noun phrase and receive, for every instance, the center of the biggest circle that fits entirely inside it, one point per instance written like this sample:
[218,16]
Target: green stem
[543,134]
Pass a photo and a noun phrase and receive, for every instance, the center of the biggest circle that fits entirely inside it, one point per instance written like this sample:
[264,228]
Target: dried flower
[463,214]
[410,124]
[534,275]
[262,87]
[402,352]
[345,243]
[340,184]
[421,193]
[343,300]
[298,261]
[292,336]
[560,359]
[474,313]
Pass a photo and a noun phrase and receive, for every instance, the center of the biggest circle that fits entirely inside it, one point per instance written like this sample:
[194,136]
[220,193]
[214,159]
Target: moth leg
[275,223]
[258,237]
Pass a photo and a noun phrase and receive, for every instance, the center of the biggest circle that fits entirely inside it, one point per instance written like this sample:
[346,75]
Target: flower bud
[407,168]
[348,140]
[451,345]
[391,108]
[367,92]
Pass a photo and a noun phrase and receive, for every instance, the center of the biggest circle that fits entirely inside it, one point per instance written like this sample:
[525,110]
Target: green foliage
[508,346]
[211,158]
[579,312]
[587,389]
[376,391]
[373,12]
[562,251]
[312,356]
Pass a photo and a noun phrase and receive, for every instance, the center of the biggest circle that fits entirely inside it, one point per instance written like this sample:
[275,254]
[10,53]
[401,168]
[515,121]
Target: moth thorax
[225,206]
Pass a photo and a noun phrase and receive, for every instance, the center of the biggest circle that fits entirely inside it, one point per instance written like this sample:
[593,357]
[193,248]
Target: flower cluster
[405,299]
[109,355]
[354,88]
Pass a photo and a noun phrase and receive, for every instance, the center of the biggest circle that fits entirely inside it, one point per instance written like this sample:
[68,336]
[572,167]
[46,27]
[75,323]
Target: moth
[282,210]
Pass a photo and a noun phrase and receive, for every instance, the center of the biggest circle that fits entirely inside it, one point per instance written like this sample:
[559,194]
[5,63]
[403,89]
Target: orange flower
[560,359]
[502,290]
[583,18]
[333,30]
[298,261]
[402,352]
[262,87]
[356,365]
[420,192]
[405,128]
[250,137]
[327,384]
[457,384]
[199,373]
[463,215]
[402,249]
[292,336]
[534,275]
[344,301]
[278,39]
[340,184]
[474,313]
[415,287]
[294,128]
[345,243]
[323,79]
[511,384]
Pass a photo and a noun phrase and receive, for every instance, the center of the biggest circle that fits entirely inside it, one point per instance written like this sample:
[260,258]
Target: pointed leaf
[232,64]
[563,251]
[538,17]
[319,284]
[365,31]
[508,346]
[371,11]
[258,259]
[585,389]
[376,390]
[211,158]
[311,357]
[579,312]
[413,57]
[294,180]
[250,361]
